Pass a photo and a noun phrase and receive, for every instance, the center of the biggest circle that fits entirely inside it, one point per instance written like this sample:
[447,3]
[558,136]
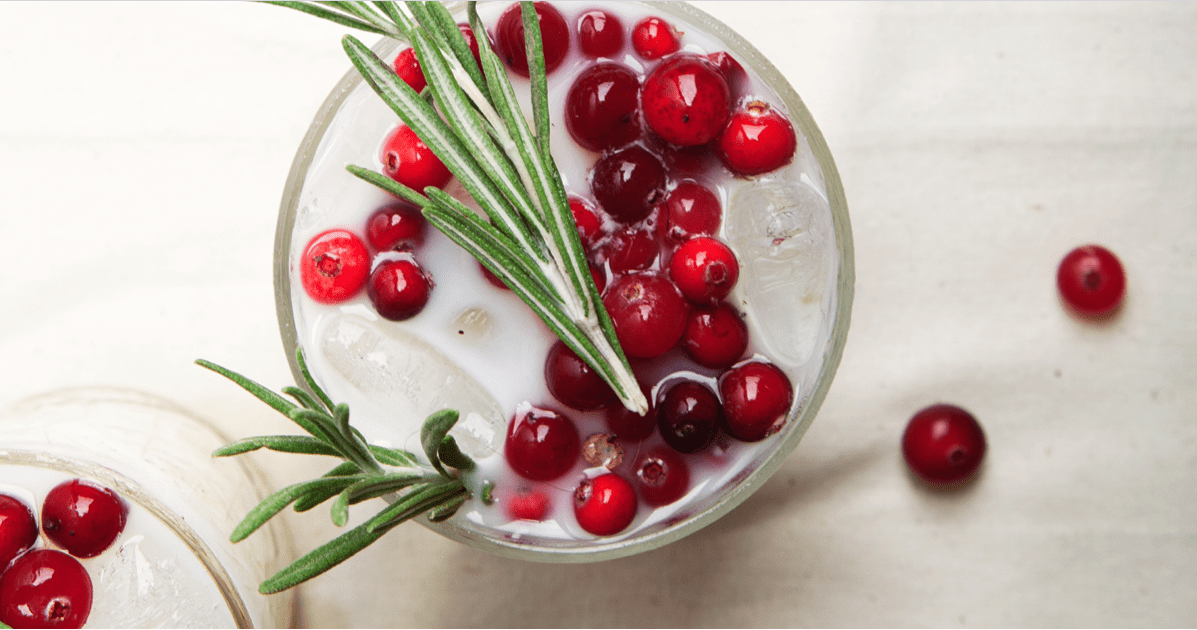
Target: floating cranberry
[629,426]
[648,313]
[541,444]
[628,183]
[653,38]
[599,276]
[471,41]
[943,444]
[509,37]
[600,34]
[45,588]
[82,517]
[397,226]
[691,210]
[528,504]
[573,382]
[334,266]
[399,288]
[731,70]
[704,270]
[602,107]
[662,476]
[689,416]
[406,159]
[630,248]
[18,529]
[605,505]
[408,68]
[686,101]
[757,140]
[756,400]
[492,278]
[1091,280]
[716,336]
[586,217]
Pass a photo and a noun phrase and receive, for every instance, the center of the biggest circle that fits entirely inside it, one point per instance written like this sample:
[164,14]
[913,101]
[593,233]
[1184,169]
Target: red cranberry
[605,505]
[688,417]
[492,278]
[602,107]
[628,183]
[600,34]
[406,159]
[630,248]
[509,37]
[586,217]
[1091,280]
[408,68]
[599,277]
[716,336]
[573,382]
[541,444]
[943,444]
[467,33]
[704,270]
[662,476]
[731,70]
[653,38]
[648,313]
[397,226]
[399,289]
[756,400]
[757,139]
[18,529]
[629,426]
[334,266]
[82,517]
[691,210]
[528,505]
[45,588]
[686,101]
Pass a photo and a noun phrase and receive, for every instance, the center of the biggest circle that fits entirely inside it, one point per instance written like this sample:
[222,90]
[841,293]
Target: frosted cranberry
[691,210]
[688,417]
[334,266]
[629,426]
[661,477]
[528,504]
[18,529]
[45,588]
[82,517]
[731,70]
[406,159]
[541,444]
[399,288]
[573,382]
[943,444]
[600,34]
[605,505]
[716,336]
[648,313]
[1091,280]
[630,248]
[408,68]
[586,217]
[471,40]
[628,183]
[685,100]
[757,139]
[602,107]
[756,400]
[704,270]
[509,37]
[397,226]
[653,38]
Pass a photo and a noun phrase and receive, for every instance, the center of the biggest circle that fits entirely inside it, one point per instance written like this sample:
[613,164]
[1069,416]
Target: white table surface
[143,151]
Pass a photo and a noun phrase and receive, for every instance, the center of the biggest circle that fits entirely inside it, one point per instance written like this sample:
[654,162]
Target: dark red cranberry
[653,38]
[588,220]
[509,37]
[541,444]
[408,68]
[602,107]
[628,183]
[471,40]
[661,477]
[1091,280]
[82,517]
[716,336]
[648,313]
[686,101]
[399,288]
[492,278]
[573,382]
[943,444]
[688,417]
[599,276]
[704,270]
[605,505]
[45,588]
[528,504]
[731,70]
[600,34]
[691,210]
[397,226]
[406,159]
[757,139]
[630,248]
[18,529]
[629,426]
[334,266]
[756,400]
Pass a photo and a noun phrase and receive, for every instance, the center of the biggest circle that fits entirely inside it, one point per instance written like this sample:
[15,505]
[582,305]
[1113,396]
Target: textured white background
[143,151]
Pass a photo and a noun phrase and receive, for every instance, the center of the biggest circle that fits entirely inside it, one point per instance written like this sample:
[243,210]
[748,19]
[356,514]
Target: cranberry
[704,270]
[600,34]
[943,444]
[653,38]
[1091,280]
[471,41]
[528,504]
[648,313]
[628,183]
[688,417]
[605,505]
[397,226]
[686,101]
[602,107]
[334,266]
[716,336]
[45,588]
[599,277]
[731,70]
[757,140]
[509,37]
[630,248]
[756,400]
[629,426]
[691,210]
[586,217]
[407,160]
[492,278]
[399,288]
[662,476]
[82,517]
[408,68]
[541,444]
[18,529]
[573,382]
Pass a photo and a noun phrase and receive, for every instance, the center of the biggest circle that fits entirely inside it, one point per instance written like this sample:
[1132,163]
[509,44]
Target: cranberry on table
[399,289]
[758,139]
[573,382]
[689,416]
[602,107]
[756,400]
[691,210]
[943,444]
[1091,280]
[408,68]
[686,100]
[396,226]
[18,528]
[648,313]
[605,505]
[406,159]
[509,37]
[653,38]
[82,517]
[661,476]
[45,588]
[704,269]
[716,336]
[528,504]
[541,444]
[628,183]
[600,34]
[334,266]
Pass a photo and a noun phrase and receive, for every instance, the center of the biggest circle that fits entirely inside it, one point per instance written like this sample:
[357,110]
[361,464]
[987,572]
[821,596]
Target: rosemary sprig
[367,472]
